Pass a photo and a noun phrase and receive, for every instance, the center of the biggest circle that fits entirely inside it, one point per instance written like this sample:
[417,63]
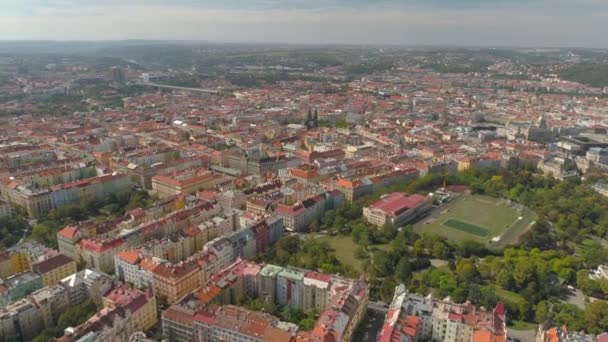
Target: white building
[87,284]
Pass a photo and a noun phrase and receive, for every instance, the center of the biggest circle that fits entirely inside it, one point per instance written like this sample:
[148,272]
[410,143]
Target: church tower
[541,122]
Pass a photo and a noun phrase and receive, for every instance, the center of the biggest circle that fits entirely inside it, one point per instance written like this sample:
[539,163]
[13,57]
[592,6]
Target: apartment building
[142,305]
[299,216]
[99,255]
[52,301]
[127,268]
[198,316]
[22,284]
[113,323]
[414,318]
[54,269]
[175,281]
[233,323]
[39,200]
[21,319]
[290,288]
[87,284]
[186,182]
[353,189]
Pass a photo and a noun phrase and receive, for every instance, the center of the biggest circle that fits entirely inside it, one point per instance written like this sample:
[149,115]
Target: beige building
[397,209]
[54,269]
[21,319]
[189,182]
[52,301]
[175,281]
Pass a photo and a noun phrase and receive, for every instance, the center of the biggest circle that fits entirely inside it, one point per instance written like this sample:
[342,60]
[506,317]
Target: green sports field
[497,222]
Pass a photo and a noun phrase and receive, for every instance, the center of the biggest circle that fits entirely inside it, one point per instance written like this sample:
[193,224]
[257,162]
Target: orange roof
[207,294]
[482,336]
[345,183]
[148,264]
[68,232]
[130,256]
[551,335]
[306,174]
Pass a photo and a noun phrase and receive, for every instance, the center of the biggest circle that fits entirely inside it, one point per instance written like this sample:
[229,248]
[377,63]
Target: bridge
[164,86]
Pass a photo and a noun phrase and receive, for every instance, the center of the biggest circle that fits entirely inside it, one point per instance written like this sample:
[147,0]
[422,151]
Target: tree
[596,316]
[524,310]
[447,284]
[384,263]
[440,250]
[403,270]
[523,273]
[541,311]
[539,237]
[505,279]
[466,270]
[73,316]
[77,315]
[388,229]
[470,248]
[569,315]
[593,253]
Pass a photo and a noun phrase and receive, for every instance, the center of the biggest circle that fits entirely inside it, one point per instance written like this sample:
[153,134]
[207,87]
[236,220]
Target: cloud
[408,22]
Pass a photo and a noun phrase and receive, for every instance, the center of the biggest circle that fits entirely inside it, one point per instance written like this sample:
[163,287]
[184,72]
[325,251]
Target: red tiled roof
[396,203]
[99,246]
[290,210]
[318,276]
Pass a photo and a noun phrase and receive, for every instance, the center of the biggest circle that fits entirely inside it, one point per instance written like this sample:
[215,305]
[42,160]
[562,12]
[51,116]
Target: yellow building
[55,268]
[20,262]
[187,182]
[142,305]
[175,281]
[464,164]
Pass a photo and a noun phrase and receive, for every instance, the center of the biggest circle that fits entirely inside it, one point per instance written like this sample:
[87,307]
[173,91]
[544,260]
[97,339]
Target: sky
[489,23]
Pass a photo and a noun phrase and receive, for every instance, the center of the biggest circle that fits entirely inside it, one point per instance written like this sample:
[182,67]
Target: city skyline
[545,23]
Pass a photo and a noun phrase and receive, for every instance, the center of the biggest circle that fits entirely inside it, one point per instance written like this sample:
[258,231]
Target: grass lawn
[508,296]
[521,325]
[345,249]
[479,218]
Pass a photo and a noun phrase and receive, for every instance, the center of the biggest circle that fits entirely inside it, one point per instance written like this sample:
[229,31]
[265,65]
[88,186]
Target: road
[521,335]
[27,230]
[369,327]
[378,307]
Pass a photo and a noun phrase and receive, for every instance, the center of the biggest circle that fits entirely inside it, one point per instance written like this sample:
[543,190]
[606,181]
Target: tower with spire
[308,119]
[312,119]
